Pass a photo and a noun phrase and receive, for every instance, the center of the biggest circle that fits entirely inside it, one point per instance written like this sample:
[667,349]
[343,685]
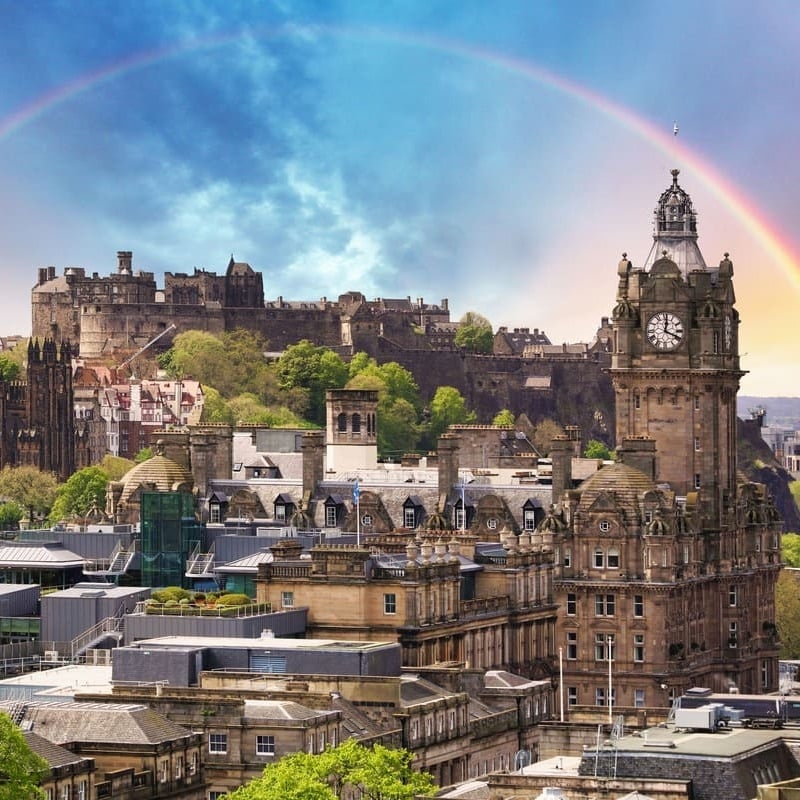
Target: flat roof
[87,589]
[65,681]
[268,642]
[727,742]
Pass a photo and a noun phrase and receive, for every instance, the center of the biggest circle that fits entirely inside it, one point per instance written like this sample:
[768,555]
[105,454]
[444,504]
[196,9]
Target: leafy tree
[116,466]
[10,515]
[376,773]
[313,370]
[82,491]
[31,488]
[144,454]
[503,418]
[248,409]
[544,433]
[475,333]
[448,407]
[20,768]
[215,407]
[790,549]
[596,449]
[359,363]
[398,431]
[787,613]
[232,362]
[9,369]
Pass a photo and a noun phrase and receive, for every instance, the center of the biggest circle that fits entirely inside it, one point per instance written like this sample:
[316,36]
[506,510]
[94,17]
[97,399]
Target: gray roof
[47,554]
[67,722]
[247,564]
[281,710]
[53,754]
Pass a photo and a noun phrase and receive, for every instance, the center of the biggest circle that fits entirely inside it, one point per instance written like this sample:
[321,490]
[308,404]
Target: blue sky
[479,151]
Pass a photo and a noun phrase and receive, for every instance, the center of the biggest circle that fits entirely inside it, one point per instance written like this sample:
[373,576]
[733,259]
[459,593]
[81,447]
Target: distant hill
[781,411]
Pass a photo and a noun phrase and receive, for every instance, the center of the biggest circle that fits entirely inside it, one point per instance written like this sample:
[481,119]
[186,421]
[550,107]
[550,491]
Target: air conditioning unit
[51,656]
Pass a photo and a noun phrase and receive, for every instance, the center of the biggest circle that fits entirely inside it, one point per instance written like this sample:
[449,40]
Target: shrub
[199,597]
[171,604]
[170,593]
[234,600]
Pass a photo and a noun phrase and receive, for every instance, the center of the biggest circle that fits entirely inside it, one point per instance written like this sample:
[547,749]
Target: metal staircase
[117,564]
[199,564]
[110,627]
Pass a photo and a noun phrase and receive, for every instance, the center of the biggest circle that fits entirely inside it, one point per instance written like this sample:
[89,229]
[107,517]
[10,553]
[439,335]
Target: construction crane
[141,350]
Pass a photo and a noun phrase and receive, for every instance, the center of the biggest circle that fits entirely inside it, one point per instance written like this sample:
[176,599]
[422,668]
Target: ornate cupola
[675,230]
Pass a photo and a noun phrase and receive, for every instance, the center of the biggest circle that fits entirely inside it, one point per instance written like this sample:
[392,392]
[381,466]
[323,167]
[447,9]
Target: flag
[356,492]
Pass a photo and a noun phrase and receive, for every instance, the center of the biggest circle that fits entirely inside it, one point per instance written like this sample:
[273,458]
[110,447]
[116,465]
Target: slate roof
[280,710]
[53,754]
[102,722]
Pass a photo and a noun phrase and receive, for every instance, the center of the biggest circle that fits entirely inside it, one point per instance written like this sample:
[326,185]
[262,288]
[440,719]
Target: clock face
[664,330]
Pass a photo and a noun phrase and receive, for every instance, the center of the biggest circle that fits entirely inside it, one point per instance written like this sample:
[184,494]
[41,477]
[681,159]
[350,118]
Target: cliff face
[757,463]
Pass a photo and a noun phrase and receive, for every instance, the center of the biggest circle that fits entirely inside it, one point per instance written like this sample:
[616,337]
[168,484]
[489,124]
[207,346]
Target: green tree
[145,454]
[116,466]
[31,488]
[376,773]
[544,433]
[359,363]
[21,769]
[596,449]
[448,407]
[313,370]
[475,333]
[787,613]
[84,490]
[790,549]
[10,515]
[215,407]
[504,419]
[9,369]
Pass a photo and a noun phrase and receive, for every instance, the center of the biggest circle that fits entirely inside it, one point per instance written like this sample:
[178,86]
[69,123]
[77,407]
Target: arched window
[341,422]
[356,423]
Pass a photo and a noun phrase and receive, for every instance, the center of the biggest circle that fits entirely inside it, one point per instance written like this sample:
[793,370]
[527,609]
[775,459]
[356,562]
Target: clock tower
[675,362]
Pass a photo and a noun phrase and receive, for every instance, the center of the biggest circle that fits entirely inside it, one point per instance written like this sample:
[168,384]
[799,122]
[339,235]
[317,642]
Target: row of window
[605,605]
[265,743]
[605,647]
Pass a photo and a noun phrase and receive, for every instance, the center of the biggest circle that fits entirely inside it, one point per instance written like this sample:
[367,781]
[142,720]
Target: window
[732,596]
[214,513]
[341,422]
[613,558]
[163,770]
[638,648]
[604,644]
[697,480]
[321,739]
[356,423]
[390,604]
[600,696]
[452,720]
[638,698]
[83,793]
[217,742]
[572,695]
[178,767]
[733,631]
[637,402]
[638,605]
[697,443]
[567,556]
[605,605]
[572,604]
[697,403]
[599,558]
[491,523]
[409,518]
[572,645]
[648,517]
[265,745]
[330,516]
[605,526]
[280,512]
[764,674]
[287,599]
[366,520]
[529,520]
[460,519]
[191,767]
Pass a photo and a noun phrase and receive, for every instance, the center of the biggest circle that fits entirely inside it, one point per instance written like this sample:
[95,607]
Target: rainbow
[730,196]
